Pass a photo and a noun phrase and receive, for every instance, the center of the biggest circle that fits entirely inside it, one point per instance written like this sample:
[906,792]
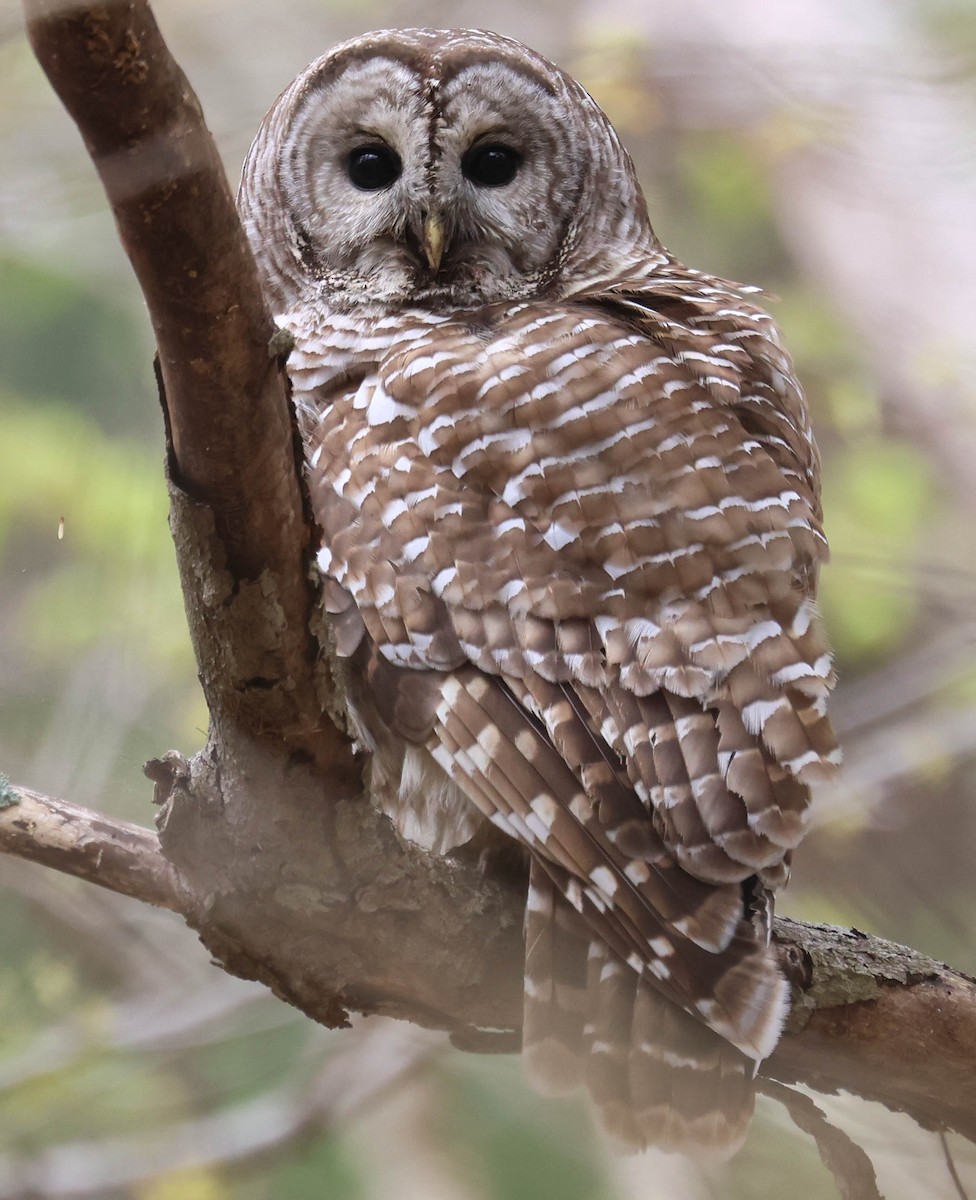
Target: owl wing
[573,548]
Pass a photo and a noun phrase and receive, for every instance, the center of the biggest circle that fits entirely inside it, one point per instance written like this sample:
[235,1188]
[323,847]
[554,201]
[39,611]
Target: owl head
[440,166]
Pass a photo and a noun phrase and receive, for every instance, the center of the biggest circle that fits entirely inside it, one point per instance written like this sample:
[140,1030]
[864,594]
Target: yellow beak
[433,241]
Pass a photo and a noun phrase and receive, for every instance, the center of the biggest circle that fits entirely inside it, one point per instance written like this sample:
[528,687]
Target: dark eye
[373,167]
[491,166]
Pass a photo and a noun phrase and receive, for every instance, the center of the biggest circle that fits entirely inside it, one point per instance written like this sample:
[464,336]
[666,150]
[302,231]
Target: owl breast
[553,491]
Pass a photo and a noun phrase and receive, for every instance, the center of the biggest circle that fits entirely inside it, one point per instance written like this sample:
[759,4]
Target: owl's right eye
[373,167]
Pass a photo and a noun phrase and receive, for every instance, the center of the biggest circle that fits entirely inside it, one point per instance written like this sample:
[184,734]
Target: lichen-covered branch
[881,1020]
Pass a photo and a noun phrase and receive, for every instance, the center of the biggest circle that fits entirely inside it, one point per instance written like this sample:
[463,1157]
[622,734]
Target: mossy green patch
[8,797]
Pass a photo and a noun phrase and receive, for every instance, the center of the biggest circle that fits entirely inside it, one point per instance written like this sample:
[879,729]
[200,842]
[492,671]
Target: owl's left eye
[491,166]
[373,167]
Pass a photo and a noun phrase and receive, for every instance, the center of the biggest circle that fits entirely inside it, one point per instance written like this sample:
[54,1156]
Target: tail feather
[655,1075]
[553,1027]
[692,1091]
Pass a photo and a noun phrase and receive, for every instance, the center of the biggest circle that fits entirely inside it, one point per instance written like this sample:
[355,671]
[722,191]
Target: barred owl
[569,527]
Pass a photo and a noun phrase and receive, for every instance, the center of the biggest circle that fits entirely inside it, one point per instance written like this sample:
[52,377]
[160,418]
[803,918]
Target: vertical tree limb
[238,513]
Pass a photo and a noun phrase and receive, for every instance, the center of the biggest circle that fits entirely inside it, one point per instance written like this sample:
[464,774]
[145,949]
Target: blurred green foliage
[58,465]
[513,1147]
[723,215]
[101,357]
[881,497]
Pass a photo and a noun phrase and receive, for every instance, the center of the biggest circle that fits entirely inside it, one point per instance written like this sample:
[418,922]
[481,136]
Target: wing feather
[586,589]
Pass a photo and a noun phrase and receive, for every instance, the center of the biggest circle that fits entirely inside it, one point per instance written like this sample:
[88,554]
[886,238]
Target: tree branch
[434,942]
[114,854]
[850,1167]
[880,1020]
[951,1167]
[238,512]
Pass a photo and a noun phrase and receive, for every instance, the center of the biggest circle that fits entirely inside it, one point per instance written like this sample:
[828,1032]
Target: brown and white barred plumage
[570,532]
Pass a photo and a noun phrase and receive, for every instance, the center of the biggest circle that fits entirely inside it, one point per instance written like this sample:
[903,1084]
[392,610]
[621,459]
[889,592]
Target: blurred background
[823,150]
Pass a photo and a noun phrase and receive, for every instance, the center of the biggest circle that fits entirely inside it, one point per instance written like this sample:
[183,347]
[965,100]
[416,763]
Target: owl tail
[655,1075]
